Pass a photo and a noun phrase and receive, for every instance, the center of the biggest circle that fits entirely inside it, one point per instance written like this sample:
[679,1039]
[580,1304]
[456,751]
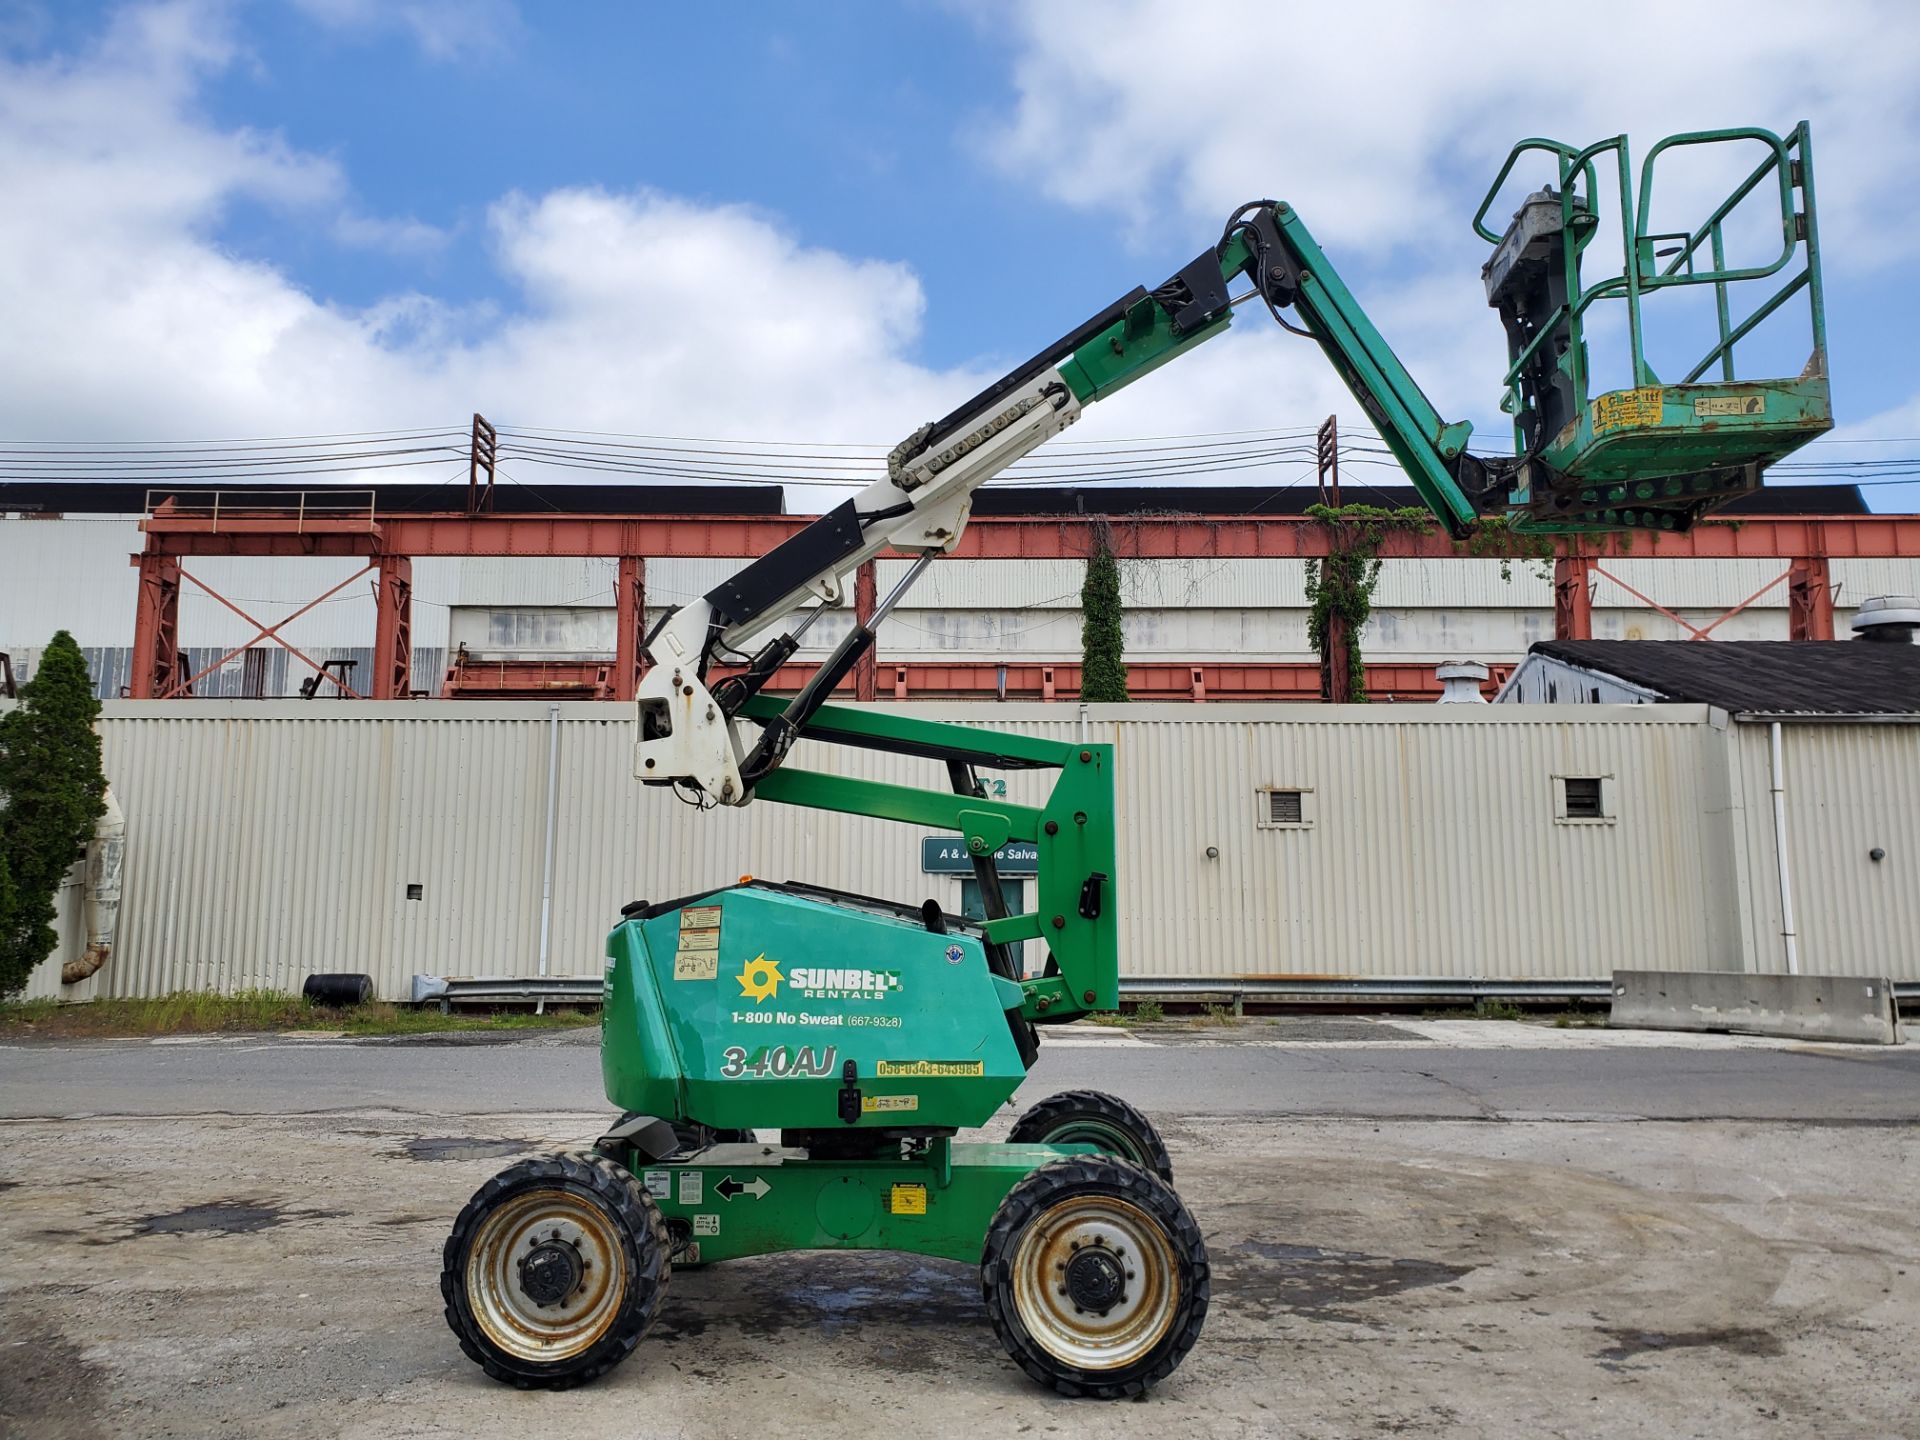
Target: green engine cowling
[742,1009]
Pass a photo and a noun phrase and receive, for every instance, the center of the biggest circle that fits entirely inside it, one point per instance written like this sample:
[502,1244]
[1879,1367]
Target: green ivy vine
[1342,584]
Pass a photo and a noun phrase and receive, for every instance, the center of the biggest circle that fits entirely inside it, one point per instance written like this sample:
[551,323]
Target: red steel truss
[389,542]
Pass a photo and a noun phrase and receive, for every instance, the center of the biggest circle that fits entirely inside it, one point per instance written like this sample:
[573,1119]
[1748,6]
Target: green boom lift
[868,1033]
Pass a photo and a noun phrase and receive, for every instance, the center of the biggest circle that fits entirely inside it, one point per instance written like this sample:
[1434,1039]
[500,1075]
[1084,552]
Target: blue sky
[825,222]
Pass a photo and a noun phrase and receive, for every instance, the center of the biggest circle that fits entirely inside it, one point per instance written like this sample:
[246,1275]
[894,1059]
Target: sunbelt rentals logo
[759,978]
[844,984]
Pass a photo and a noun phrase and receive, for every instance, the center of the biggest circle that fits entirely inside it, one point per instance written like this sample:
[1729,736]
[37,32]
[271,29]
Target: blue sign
[948,855]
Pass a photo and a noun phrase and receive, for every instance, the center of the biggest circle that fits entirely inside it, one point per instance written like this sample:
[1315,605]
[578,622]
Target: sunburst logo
[760,978]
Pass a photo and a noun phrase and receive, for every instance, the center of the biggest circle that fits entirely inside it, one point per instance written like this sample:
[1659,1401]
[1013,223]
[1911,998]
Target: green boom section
[1424,443]
[1073,832]
[1656,455]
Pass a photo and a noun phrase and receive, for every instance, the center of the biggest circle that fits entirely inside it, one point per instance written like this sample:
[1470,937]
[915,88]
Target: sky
[829,222]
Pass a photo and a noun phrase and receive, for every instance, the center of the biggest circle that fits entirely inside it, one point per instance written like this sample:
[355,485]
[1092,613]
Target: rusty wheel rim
[1095,1282]
[546,1275]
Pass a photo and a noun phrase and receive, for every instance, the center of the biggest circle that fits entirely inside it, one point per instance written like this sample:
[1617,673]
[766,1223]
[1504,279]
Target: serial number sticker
[704,917]
[692,1186]
[1730,405]
[659,1183]
[1625,409]
[907,1200]
[696,964]
[929,1069]
[878,1104]
[706,1224]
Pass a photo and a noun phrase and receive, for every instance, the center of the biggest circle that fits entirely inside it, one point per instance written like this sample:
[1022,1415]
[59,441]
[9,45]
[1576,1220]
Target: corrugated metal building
[1834,727]
[72,572]
[268,840]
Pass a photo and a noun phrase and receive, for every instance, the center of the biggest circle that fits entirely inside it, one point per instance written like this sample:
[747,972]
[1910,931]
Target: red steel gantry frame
[389,542]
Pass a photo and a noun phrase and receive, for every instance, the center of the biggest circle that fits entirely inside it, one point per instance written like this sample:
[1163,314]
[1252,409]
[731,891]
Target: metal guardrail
[299,510]
[1330,990]
[507,989]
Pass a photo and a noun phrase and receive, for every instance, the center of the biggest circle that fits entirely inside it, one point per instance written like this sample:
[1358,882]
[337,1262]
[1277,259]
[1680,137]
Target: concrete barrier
[1805,1007]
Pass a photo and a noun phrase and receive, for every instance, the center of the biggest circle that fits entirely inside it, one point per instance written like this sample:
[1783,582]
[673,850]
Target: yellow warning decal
[907,1200]
[929,1069]
[876,1104]
[697,956]
[696,964]
[1626,409]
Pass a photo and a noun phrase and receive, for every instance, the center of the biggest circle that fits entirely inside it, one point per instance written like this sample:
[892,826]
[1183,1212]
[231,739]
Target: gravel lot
[276,1275]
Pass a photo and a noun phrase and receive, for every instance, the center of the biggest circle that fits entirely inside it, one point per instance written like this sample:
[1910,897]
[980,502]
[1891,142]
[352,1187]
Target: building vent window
[1284,808]
[1580,798]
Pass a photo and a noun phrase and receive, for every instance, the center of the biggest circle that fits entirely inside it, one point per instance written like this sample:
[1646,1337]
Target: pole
[546,879]
[1787,932]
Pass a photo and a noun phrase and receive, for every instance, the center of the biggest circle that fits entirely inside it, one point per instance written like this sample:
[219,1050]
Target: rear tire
[1092,1117]
[1095,1277]
[555,1270]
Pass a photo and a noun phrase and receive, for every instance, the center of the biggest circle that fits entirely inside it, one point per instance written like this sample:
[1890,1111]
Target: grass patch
[1148,1011]
[191,1012]
[1217,1015]
[1580,1020]
[1108,1018]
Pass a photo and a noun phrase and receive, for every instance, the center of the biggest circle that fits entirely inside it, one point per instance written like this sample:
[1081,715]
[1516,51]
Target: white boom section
[700,745]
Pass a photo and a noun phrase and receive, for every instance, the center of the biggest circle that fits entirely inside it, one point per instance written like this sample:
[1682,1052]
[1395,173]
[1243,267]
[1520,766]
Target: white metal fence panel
[1430,845]
[1850,789]
[268,840]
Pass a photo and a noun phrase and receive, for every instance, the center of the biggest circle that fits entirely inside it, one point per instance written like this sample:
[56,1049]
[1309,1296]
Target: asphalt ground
[1467,1228]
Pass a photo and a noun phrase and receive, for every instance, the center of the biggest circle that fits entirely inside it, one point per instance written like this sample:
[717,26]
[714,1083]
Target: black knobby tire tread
[1046,1116]
[649,1257]
[1110,1175]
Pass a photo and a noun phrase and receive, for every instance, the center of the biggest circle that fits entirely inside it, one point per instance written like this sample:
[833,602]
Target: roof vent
[1460,682]
[1888,618]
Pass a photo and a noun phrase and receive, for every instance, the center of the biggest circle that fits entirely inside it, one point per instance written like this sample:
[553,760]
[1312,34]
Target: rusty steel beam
[991,537]
[1298,681]
[184,686]
[1572,598]
[630,623]
[393,630]
[866,670]
[1809,599]
[156,627]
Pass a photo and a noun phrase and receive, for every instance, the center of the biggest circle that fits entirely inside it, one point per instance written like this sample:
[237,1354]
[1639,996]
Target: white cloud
[635,311]
[642,312]
[1383,123]
[1380,120]
[391,235]
[445,30]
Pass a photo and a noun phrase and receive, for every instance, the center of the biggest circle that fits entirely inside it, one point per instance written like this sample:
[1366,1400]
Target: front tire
[1095,1277]
[1092,1117]
[555,1270]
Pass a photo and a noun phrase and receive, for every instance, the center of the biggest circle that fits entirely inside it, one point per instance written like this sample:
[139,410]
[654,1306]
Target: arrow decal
[729,1188]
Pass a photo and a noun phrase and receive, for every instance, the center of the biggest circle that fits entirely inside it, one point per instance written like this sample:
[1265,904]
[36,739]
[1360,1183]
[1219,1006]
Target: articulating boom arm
[1656,456]
[693,735]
